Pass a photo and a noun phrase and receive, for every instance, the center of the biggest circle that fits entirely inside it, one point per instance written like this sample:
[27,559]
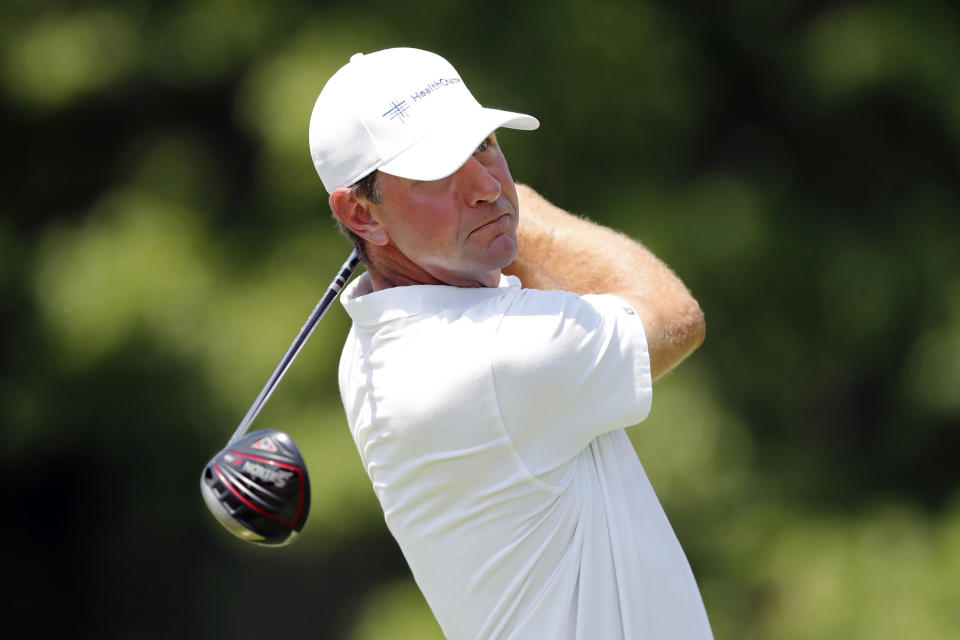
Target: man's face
[460,230]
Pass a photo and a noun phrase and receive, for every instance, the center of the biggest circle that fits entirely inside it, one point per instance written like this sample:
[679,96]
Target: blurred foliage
[163,236]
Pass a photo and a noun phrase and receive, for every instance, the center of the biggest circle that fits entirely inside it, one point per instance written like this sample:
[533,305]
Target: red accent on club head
[296,470]
[265,443]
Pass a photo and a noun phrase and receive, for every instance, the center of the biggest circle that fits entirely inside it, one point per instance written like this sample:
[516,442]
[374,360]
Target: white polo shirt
[490,422]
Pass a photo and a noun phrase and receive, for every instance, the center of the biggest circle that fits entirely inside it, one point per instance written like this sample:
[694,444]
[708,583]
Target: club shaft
[318,312]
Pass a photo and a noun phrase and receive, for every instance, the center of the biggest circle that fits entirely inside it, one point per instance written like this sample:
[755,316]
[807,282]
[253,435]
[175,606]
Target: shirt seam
[501,422]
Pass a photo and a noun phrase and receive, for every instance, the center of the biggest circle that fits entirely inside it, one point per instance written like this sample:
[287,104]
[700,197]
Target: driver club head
[258,488]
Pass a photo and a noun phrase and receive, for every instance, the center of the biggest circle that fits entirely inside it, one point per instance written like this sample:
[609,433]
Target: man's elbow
[693,326]
[682,332]
[688,329]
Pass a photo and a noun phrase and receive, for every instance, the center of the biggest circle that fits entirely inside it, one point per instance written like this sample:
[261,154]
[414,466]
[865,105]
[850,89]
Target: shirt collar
[366,306]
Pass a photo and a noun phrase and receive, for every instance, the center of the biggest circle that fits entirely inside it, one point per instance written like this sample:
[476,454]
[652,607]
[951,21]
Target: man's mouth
[498,220]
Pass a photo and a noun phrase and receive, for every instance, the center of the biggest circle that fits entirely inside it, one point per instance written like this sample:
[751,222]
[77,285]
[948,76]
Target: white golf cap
[403,111]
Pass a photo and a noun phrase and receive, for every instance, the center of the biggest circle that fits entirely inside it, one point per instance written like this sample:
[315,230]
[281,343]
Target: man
[490,417]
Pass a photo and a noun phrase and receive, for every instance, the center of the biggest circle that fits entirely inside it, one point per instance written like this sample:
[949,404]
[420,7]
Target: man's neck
[387,272]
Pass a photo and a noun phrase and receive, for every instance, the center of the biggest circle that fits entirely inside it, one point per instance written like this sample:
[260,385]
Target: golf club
[257,487]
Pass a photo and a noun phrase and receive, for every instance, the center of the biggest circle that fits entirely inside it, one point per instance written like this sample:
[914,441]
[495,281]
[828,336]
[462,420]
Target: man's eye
[482,146]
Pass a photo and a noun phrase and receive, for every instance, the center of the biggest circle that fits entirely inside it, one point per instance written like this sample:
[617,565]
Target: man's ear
[355,214]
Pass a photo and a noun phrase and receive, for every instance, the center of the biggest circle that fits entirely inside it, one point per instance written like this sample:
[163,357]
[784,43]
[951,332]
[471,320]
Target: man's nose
[478,184]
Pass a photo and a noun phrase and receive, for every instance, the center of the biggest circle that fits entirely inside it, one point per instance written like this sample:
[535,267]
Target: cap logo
[437,84]
[397,110]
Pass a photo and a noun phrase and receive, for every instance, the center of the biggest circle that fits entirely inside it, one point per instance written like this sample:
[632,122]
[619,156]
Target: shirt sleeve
[567,369]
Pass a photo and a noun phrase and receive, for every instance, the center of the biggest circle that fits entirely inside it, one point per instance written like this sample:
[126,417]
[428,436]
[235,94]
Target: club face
[258,488]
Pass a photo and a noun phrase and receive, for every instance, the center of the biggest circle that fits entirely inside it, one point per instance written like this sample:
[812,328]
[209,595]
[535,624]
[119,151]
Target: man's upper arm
[566,369]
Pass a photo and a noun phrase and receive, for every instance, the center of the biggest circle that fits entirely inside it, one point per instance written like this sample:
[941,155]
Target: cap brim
[445,149]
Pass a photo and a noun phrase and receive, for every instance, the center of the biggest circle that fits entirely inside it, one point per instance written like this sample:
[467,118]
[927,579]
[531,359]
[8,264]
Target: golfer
[499,347]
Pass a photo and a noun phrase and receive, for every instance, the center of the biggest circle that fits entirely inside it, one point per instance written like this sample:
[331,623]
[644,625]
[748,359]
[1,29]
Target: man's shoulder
[567,303]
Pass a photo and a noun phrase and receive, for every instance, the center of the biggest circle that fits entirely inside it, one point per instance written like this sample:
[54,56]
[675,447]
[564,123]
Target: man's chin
[504,248]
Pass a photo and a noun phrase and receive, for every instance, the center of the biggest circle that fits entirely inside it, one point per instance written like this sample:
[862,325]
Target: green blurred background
[163,235]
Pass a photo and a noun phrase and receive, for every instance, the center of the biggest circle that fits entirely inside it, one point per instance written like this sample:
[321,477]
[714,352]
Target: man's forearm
[560,251]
